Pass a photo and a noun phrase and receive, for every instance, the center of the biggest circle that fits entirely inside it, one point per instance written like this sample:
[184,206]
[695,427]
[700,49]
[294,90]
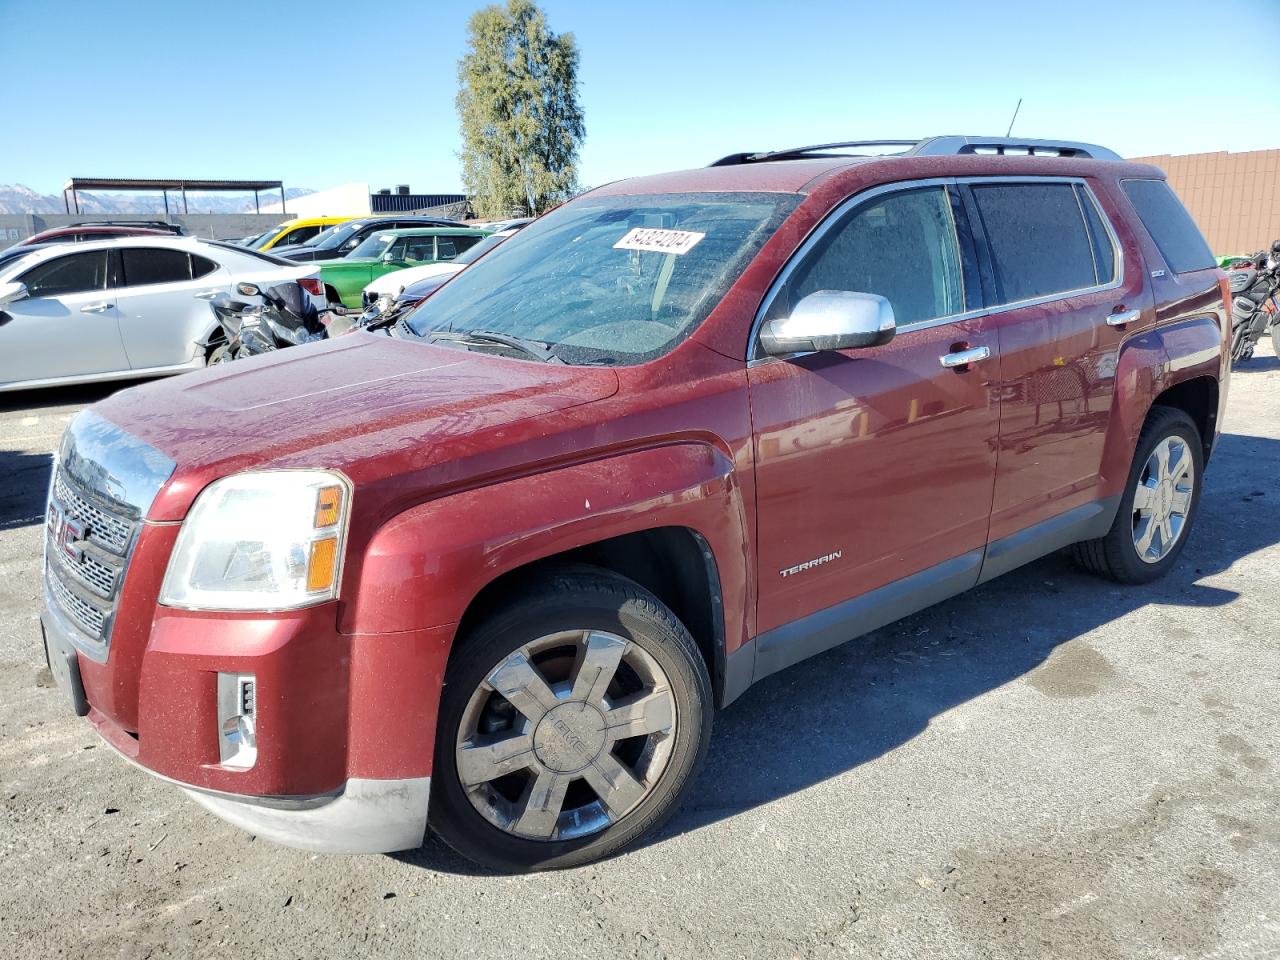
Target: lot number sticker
[659,241]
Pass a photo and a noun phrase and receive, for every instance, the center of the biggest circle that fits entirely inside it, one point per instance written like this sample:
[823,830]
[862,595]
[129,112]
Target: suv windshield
[262,239]
[374,245]
[335,236]
[609,280]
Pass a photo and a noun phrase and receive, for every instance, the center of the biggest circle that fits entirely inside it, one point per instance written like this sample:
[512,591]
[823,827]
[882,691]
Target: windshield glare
[335,236]
[610,280]
[264,238]
[374,245]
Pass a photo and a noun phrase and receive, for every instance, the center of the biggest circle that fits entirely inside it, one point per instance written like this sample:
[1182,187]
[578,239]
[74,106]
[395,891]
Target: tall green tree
[518,106]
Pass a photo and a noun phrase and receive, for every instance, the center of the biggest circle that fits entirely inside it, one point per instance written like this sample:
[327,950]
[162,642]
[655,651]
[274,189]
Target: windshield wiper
[532,348]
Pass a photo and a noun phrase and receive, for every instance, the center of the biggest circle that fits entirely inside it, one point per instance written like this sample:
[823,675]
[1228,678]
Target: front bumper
[368,816]
[346,722]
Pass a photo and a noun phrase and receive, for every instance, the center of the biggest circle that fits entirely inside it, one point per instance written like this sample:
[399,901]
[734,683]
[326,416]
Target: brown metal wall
[1234,197]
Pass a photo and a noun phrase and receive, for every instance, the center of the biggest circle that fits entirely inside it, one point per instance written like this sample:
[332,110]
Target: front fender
[425,566]
[1149,364]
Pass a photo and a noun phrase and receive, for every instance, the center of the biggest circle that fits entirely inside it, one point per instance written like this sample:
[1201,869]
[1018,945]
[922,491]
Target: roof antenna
[1009,132]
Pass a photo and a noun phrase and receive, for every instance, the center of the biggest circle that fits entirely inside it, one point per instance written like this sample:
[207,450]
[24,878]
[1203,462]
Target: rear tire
[1122,554]
[599,705]
[217,353]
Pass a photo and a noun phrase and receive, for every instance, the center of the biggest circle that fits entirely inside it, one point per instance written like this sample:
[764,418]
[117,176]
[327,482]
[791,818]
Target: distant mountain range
[21,199]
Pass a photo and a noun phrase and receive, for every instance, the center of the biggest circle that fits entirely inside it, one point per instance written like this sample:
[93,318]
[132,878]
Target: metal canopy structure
[71,187]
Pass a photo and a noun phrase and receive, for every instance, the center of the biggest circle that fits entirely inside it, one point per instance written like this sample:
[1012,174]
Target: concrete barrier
[16,227]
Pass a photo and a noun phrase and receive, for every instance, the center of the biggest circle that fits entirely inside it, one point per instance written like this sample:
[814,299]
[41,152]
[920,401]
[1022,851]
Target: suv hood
[366,404]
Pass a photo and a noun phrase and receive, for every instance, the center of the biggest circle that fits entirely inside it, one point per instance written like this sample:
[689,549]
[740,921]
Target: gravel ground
[1048,766]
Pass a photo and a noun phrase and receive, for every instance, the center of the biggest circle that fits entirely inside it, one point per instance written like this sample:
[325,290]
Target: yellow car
[299,230]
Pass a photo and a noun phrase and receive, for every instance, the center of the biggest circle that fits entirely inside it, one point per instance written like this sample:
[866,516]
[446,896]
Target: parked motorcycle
[285,317]
[1255,303]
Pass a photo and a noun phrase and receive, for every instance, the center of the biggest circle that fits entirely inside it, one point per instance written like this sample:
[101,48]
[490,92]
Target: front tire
[1159,504]
[571,724]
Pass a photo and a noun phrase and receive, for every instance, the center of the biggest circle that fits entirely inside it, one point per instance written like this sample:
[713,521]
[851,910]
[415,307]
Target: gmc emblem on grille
[66,534]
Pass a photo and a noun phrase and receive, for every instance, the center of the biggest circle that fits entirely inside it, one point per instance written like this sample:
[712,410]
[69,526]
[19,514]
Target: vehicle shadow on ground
[1257,364]
[24,474]
[830,714]
[24,484]
[78,396]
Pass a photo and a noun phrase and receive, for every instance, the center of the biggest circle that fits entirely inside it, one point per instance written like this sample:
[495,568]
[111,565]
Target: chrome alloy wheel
[1162,499]
[566,735]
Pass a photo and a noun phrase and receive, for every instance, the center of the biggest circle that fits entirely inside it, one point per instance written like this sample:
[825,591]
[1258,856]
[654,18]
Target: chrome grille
[83,576]
[98,574]
[88,617]
[110,531]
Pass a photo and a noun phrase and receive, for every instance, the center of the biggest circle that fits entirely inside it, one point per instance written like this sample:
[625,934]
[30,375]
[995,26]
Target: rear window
[1171,227]
[1039,241]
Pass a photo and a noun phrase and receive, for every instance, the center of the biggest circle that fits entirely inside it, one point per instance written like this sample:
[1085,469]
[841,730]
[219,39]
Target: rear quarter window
[1175,234]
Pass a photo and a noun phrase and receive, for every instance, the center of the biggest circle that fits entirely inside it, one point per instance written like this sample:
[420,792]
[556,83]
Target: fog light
[237,716]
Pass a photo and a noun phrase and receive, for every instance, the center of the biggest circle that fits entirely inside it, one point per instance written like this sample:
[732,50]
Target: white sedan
[125,307]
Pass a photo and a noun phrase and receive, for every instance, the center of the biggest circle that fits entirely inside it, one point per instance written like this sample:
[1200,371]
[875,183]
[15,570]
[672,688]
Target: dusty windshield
[608,280]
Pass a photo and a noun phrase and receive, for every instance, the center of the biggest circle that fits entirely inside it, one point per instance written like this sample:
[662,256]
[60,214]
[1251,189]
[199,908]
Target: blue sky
[322,93]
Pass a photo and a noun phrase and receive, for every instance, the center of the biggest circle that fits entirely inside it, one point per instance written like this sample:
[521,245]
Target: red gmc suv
[489,572]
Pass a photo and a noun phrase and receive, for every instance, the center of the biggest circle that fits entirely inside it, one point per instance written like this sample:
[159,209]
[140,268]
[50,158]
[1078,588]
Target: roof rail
[818,150]
[951,146]
[934,147]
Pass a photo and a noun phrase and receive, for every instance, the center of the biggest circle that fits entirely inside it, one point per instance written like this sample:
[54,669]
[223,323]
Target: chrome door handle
[1123,317]
[964,357]
[207,294]
[95,308]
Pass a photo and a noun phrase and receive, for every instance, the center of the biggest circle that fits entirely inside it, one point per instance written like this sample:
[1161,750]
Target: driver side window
[901,246]
[77,273]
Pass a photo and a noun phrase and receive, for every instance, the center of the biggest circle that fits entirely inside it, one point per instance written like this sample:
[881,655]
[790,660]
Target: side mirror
[13,291]
[830,320]
[389,257]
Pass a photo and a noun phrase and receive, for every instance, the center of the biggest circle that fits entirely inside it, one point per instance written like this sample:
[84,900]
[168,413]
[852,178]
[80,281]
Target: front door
[876,464]
[66,326]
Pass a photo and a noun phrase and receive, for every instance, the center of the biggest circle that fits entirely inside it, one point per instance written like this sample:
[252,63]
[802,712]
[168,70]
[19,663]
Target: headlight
[261,541]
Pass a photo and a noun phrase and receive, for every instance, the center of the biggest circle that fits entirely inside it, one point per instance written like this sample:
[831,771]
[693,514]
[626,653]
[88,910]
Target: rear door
[67,324]
[161,320]
[1056,270]
[876,464]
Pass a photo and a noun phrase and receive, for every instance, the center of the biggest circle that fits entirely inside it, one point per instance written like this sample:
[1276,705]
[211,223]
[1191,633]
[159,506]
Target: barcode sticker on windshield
[659,241]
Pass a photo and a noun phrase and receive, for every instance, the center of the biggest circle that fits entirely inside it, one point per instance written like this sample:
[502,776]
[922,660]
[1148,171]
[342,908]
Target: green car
[387,250]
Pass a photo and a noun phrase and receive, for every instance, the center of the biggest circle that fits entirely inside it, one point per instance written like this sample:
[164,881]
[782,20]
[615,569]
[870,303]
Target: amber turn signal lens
[328,503]
[322,565]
